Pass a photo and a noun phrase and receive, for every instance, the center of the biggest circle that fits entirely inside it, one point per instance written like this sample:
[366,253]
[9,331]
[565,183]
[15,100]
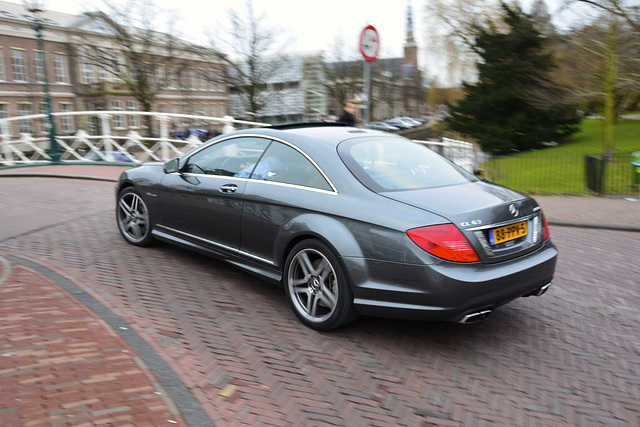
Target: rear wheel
[132,216]
[317,287]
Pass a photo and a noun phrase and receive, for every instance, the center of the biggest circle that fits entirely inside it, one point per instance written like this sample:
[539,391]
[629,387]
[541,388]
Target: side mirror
[171,166]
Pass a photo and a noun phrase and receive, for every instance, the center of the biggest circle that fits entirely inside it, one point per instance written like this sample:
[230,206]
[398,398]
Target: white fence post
[7,157]
[228,127]
[164,136]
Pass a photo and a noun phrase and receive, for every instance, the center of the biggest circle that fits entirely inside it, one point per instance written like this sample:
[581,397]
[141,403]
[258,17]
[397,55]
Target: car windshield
[390,164]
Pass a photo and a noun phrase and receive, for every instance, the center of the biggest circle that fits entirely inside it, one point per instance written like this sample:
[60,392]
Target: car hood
[470,204]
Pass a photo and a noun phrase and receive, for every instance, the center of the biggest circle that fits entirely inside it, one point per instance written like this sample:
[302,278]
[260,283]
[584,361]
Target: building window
[134,121]
[171,81]
[18,65]
[220,81]
[200,76]
[66,125]
[60,68]
[182,79]
[2,76]
[118,119]
[159,75]
[26,126]
[38,62]
[86,72]
[3,112]
[215,81]
[102,75]
[44,120]
[211,80]
[191,77]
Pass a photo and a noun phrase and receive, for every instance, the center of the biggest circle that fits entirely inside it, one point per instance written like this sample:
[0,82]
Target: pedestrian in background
[349,112]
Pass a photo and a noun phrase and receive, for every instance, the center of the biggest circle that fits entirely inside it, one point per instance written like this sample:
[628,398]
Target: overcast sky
[314,25]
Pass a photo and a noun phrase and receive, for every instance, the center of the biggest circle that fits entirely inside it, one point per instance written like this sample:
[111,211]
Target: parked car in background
[348,221]
[202,134]
[383,126]
[412,123]
[397,123]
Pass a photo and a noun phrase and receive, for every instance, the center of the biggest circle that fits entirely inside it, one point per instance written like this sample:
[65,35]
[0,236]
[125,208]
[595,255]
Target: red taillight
[545,228]
[444,241]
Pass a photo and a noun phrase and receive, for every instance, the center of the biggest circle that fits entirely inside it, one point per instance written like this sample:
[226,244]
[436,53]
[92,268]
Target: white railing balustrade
[461,153]
[21,148]
[107,146]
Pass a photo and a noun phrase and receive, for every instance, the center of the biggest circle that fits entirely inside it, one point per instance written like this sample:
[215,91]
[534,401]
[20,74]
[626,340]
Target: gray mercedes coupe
[348,221]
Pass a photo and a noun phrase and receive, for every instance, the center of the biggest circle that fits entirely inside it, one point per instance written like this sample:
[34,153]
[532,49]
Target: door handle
[228,188]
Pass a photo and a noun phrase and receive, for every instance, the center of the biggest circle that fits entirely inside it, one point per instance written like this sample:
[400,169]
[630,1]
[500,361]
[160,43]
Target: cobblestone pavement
[60,365]
[570,357]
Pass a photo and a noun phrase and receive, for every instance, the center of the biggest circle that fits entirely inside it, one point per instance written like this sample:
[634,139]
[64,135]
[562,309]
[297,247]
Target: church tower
[410,46]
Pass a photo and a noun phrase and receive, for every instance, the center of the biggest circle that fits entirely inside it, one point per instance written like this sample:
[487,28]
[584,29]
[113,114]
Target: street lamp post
[36,7]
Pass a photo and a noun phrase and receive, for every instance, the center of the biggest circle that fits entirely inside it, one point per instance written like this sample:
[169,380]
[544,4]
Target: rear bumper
[450,291]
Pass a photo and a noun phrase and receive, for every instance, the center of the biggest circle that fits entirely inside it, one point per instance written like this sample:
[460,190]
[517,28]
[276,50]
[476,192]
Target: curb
[5,270]
[51,175]
[186,403]
[610,227]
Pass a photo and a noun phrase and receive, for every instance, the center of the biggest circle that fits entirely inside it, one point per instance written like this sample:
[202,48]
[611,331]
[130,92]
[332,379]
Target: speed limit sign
[370,43]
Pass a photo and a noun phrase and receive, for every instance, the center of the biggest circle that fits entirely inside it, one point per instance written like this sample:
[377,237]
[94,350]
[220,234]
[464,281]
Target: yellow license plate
[508,232]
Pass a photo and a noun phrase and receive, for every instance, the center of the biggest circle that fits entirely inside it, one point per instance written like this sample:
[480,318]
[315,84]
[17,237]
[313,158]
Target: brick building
[189,78]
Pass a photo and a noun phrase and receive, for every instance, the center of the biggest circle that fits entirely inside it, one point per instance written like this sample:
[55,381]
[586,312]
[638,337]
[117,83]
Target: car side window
[282,163]
[228,157]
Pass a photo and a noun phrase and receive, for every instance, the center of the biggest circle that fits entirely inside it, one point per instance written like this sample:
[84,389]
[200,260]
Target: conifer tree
[500,111]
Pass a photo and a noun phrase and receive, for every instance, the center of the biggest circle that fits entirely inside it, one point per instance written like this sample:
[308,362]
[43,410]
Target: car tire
[132,216]
[317,287]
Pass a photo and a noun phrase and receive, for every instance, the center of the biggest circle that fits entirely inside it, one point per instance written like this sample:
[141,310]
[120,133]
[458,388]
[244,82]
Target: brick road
[571,357]
[61,366]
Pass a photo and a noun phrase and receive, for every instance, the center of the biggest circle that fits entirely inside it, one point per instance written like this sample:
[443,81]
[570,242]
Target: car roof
[327,133]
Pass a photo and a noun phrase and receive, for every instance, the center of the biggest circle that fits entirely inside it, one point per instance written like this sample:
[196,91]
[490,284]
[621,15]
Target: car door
[203,202]
[283,185]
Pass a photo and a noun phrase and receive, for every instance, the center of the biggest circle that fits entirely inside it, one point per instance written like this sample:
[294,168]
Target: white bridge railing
[461,153]
[107,146]
[23,148]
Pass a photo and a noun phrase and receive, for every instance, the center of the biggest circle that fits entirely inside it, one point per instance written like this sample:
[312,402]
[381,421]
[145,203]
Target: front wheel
[317,287]
[133,219]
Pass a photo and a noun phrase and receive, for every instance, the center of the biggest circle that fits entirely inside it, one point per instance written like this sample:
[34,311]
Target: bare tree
[453,26]
[542,18]
[610,75]
[254,53]
[124,46]
[630,14]
[344,73]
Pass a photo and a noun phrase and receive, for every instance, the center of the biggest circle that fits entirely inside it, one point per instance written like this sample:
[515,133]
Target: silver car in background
[348,221]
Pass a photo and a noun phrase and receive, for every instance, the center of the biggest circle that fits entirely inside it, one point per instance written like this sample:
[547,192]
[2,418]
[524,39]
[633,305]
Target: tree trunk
[610,77]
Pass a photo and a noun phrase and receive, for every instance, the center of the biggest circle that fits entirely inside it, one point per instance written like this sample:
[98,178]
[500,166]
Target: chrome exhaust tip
[543,289]
[537,292]
[475,317]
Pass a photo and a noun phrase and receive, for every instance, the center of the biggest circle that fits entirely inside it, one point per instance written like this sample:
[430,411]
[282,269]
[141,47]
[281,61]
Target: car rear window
[393,164]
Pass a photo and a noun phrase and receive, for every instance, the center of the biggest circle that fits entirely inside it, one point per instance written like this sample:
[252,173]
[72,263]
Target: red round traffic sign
[370,43]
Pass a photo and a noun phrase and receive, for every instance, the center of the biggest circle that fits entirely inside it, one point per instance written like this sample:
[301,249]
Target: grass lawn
[627,136]
[562,170]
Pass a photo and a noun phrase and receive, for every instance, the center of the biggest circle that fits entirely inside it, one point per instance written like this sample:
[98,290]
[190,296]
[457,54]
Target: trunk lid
[500,223]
